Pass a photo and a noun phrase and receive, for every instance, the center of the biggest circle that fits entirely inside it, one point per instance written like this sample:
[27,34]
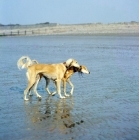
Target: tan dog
[70,71]
[65,79]
[54,72]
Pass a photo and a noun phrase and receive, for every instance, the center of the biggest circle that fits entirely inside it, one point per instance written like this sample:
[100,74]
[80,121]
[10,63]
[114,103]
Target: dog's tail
[24,62]
[34,62]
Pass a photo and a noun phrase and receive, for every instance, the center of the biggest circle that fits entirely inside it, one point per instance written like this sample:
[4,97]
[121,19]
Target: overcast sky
[68,11]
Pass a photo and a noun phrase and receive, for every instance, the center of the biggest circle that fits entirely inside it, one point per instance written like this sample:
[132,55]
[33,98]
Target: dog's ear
[69,61]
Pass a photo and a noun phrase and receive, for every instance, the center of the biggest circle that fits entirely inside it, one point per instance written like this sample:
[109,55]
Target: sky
[68,11]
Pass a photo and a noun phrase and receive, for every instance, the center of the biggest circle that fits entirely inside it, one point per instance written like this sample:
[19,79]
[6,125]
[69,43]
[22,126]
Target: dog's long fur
[54,72]
[25,62]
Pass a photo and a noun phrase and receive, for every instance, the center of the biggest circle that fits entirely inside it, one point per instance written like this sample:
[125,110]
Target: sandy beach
[75,29]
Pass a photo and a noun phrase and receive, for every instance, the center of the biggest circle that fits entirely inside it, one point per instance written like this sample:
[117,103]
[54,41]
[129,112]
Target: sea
[104,104]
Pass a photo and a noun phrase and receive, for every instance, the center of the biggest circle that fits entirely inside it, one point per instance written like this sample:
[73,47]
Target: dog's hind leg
[27,90]
[72,86]
[47,83]
[27,75]
[47,89]
[30,93]
[31,82]
[35,87]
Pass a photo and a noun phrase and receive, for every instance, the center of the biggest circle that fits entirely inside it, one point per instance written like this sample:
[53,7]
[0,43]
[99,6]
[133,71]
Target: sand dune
[90,29]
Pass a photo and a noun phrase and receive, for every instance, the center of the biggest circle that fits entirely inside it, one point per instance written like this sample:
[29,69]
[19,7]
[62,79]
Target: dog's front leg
[58,86]
[72,86]
[64,87]
[53,93]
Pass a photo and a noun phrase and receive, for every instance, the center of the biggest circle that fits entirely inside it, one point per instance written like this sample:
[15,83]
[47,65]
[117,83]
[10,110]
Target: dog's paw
[39,96]
[26,99]
[30,93]
[67,95]
[71,93]
[62,97]
[53,93]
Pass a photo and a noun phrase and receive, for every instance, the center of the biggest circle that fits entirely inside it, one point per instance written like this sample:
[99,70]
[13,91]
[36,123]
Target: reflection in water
[53,114]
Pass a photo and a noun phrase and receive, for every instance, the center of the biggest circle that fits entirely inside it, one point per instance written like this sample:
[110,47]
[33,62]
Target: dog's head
[83,69]
[71,62]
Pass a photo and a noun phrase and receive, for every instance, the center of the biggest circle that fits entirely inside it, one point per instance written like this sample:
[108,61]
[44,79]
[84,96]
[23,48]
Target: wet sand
[104,105]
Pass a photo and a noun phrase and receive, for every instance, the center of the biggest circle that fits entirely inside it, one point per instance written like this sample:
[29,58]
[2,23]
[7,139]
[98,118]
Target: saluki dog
[70,71]
[54,72]
[65,79]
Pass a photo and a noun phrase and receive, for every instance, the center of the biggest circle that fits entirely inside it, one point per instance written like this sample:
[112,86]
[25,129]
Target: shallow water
[104,105]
